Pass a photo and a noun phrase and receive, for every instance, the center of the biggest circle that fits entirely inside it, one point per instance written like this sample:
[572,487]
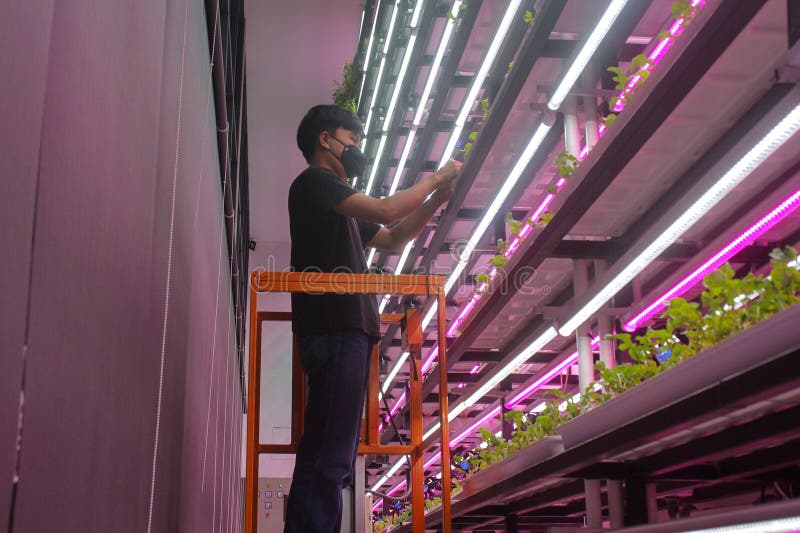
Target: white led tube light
[587,51]
[369,50]
[388,381]
[509,368]
[381,68]
[432,73]
[773,140]
[480,76]
[395,93]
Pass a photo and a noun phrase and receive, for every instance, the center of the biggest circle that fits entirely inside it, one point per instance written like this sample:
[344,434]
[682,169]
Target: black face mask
[353,161]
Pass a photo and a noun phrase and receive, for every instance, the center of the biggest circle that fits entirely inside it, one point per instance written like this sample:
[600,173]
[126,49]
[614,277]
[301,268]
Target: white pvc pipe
[594,516]
[590,106]
[604,325]
[580,273]
[572,130]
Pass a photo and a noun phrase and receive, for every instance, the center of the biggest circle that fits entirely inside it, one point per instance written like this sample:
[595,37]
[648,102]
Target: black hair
[324,118]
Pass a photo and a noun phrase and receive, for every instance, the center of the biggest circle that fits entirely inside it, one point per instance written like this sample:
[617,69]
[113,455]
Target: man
[331,224]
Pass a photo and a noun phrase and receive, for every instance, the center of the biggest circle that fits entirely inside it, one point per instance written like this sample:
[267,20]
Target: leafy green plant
[513,224]
[727,306]
[529,18]
[641,65]
[473,135]
[346,93]
[566,163]
[453,17]
[683,10]
[628,81]
[609,119]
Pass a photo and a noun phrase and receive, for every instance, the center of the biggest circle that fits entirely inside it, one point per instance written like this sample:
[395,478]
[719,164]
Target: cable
[405,496]
[165,320]
[391,421]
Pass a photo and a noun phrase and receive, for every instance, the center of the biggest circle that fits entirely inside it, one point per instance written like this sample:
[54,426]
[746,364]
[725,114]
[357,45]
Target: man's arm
[399,205]
[394,239]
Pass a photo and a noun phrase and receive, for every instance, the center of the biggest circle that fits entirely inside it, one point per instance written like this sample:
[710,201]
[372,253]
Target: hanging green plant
[346,93]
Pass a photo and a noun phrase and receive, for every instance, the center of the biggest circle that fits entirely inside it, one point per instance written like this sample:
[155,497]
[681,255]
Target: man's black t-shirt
[325,241]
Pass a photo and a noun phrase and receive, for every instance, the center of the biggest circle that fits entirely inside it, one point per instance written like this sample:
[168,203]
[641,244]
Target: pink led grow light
[732,248]
[513,246]
[490,413]
[655,55]
[545,378]
[431,358]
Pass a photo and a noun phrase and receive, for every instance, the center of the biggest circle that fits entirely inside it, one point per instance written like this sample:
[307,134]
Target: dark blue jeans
[337,365]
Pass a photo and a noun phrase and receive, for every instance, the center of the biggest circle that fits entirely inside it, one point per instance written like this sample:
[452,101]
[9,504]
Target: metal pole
[253,405]
[417,473]
[594,515]
[585,357]
[572,131]
[604,325]
[590,106]
[616,505]
[444,421]
[652,503]
[360,522]
[594,505]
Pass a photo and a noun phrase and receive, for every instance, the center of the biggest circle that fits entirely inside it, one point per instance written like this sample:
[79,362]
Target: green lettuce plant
[641,65]
[728,305]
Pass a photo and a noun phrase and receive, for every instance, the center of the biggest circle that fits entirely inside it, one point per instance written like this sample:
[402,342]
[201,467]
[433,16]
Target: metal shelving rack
[726,414]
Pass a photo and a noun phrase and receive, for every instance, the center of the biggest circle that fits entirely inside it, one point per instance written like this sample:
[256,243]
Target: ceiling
[294,52]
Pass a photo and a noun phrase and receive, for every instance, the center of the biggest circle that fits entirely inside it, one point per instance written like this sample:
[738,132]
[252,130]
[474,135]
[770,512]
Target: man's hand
[449,173]
[395,239]
[448,176]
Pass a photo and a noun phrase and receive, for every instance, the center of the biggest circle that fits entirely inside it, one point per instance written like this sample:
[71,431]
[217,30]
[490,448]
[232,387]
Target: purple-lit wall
[90,102]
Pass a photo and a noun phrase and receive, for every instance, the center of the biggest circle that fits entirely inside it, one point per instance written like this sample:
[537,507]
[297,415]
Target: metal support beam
[594,510]
[652,503]
[359,496]
[616,504]
[594,504]
[636,498]
[511,523]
